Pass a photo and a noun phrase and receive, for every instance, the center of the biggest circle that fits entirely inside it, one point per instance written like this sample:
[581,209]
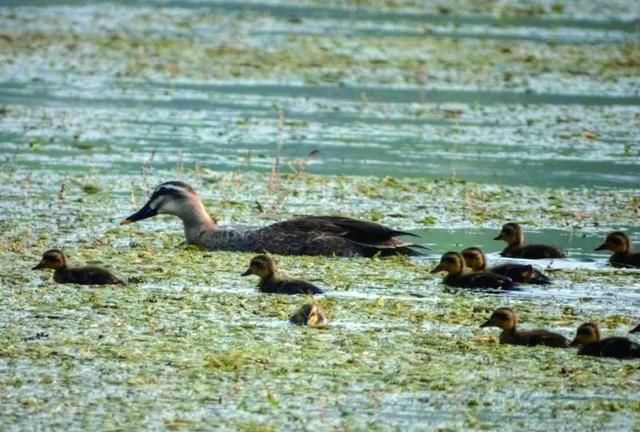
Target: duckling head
[310,314]
[52,259]
[262,266]
[173,197]
[451,262]
[474,258]
[511,233]
[616,242]
[504,318]
[587,333]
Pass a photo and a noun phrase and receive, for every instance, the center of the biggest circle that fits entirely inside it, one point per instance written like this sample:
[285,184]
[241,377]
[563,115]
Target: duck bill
[247,273]
[603,246]
[487,323]
[574,343]
[145,212]
[438,269]
[636,329]
[38,266]
[499,237]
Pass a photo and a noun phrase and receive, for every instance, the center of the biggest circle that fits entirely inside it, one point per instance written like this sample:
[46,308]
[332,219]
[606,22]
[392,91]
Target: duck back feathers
[616,347]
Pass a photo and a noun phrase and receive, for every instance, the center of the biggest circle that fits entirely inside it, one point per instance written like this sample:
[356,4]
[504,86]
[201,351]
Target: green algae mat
[446,119]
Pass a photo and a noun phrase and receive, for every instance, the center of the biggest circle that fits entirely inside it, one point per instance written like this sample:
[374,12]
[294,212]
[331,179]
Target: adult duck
[512,234]
[306,235]
[476,260]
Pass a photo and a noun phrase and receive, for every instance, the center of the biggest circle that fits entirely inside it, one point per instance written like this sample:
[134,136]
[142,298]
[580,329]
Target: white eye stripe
[155,202]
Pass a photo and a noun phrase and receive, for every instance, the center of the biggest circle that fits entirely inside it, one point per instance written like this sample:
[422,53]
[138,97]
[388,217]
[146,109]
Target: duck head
[511,233]
[175,198]
[451,262]
[262,266]
[474,258]
[310,314]
[587,333]
[504,318]
[616,242]
[52,259]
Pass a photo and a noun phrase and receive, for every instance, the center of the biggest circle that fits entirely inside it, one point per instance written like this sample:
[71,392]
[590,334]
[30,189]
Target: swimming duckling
[311,315]
[274,283]
[506,319]
[305,235]
[623,256]
[476,260]
[588,339]
[459,276]
[56,259]
[512,233]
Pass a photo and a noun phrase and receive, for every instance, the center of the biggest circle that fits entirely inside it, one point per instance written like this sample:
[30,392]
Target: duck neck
[196,220]
[267,283]
[517,241]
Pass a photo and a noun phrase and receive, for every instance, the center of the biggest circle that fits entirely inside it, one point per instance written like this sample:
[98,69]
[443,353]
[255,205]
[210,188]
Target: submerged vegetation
[458,117]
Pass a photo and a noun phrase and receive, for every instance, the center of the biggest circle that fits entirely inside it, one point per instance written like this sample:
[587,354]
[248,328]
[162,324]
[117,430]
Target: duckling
[305,235]
[623,256]
[311,315]
[56,259]
[512,233]
[588,339]
[274,283]
[459,276]
[476,260]
[506,319]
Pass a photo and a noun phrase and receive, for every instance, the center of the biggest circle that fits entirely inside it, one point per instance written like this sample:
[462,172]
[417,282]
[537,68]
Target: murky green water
[445,119]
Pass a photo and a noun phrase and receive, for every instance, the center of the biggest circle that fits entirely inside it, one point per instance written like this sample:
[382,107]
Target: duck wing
[488,280]
[540,251]
[616,346]
[546,338]
[523,273]
[334,235]
[297,286]
[93,276]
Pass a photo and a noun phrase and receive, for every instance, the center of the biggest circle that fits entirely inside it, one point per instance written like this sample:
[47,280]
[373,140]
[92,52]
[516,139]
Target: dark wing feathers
[93,276]
[326,235]
[297,286]
[522,273]
[546,338]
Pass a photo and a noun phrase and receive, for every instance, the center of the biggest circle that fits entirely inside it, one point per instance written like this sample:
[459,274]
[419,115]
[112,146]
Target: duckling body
[619,243]
[513,235]
[506,319]
[89,275]
[311,315]
[306,235]
[588,339]
[272,282]
[476,260]
[461,277]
